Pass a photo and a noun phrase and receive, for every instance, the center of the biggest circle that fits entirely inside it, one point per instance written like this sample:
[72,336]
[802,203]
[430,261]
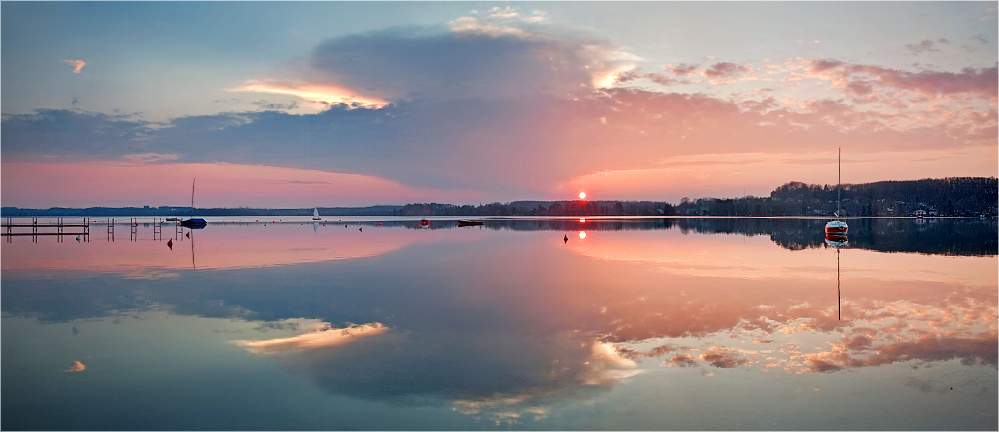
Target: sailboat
[838,227]
[193,222]
[315,214]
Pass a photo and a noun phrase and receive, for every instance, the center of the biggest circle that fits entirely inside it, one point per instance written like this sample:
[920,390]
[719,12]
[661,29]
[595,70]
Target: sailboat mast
[839,297]
[192,196]
[839,180]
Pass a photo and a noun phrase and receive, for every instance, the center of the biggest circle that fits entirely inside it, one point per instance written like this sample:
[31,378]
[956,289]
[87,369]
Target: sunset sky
[354,104]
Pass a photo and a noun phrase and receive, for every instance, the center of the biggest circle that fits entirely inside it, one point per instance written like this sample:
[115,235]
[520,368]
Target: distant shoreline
[953,196]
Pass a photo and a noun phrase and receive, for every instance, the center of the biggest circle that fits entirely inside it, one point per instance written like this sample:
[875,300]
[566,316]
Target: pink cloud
[724,69]
[320,95]
[77,64]
[859,79]
[681,69]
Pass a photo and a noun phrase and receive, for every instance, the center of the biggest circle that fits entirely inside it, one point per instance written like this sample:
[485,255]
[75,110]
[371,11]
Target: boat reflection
[836,240]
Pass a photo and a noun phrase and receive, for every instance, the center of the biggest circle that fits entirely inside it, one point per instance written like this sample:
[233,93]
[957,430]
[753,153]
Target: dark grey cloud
[72,133]
[418,63]
[276,106]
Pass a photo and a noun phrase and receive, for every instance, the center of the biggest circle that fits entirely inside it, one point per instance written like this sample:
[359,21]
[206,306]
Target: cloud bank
[504,104]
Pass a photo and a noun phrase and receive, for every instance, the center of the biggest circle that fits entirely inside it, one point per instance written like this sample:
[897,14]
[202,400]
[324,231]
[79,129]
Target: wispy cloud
[146,158]
[925,45]
[727,73]
[860,79]
[77,64]
[77,367]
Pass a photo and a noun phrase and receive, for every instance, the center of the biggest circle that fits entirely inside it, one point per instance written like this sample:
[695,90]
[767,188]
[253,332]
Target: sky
[322,104]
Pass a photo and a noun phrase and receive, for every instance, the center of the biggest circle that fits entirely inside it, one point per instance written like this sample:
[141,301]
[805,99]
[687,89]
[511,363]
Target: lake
[567,324]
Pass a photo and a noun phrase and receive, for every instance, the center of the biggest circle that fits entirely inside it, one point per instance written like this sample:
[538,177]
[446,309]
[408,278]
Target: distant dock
[58,228]
[81,227]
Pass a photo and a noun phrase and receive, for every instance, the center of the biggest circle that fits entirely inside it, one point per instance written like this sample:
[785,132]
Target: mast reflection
[838,241]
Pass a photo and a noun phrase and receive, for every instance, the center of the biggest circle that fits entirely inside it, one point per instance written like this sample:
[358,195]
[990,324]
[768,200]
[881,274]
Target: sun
[582,195]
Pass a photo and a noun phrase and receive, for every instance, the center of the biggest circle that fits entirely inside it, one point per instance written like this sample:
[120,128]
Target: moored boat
[193,222]
[837,226]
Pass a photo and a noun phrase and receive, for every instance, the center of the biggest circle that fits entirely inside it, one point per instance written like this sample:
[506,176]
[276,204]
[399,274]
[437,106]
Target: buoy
[345,226]
[361,229]
[77,238]
[379,224]
[188,235]
[170,243]
[565,239]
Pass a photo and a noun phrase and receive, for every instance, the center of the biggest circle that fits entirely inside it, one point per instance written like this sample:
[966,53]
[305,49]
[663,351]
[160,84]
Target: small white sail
[315,214]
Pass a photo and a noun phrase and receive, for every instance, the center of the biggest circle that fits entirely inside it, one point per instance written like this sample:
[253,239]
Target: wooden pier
[61,228]
[46,229]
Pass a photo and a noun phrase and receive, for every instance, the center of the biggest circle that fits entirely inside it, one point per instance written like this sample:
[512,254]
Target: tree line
[953,196]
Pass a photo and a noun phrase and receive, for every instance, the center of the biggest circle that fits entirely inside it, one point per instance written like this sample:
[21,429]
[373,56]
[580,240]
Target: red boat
[836,227]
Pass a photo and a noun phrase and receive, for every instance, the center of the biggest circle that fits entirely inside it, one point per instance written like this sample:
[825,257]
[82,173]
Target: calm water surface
[518,324]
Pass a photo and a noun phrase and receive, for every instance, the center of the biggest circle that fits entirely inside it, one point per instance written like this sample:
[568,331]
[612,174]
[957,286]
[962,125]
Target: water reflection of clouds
[898,331]
[321,336]
[496,375]
[509,328]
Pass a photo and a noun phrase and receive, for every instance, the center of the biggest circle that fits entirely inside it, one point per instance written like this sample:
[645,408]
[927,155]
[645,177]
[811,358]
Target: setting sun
[582,195]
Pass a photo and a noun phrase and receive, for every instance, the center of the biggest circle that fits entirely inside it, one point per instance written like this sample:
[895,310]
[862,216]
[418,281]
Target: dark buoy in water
[345,226]
[188,235]
[361,229]
[77,238]
[565,239]
[170,244]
